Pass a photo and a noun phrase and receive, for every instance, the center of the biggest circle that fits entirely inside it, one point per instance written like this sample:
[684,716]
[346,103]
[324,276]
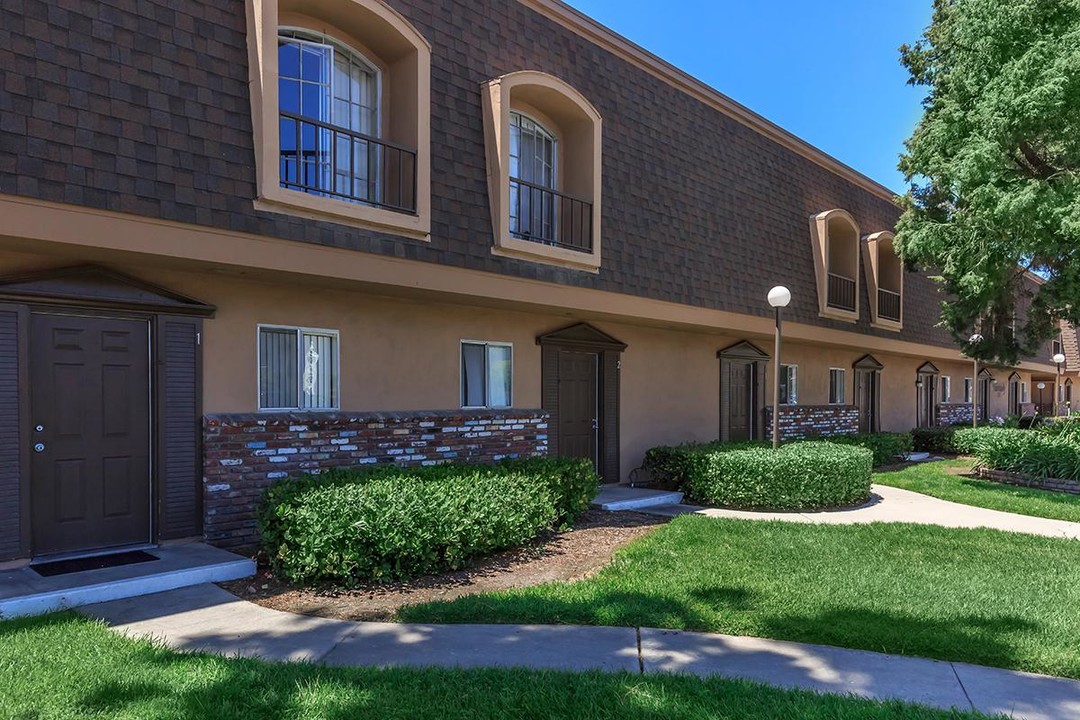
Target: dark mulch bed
[565,556]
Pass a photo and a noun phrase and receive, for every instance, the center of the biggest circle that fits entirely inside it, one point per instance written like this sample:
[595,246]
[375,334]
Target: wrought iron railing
[324,159]
[841,293]
[888,304]
[540,214]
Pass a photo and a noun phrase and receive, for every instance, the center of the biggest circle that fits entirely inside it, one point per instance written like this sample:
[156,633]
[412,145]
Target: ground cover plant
[1037,453]
[348,526]
[950,480]
[796,476]
[979,596]
[64,667]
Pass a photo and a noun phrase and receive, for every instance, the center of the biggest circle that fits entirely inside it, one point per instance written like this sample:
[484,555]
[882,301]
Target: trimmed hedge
[798,476]
[935,439]
[349,526]
[888,448]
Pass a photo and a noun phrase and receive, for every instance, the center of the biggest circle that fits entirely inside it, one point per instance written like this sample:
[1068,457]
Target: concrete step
[24,592]
[622,497]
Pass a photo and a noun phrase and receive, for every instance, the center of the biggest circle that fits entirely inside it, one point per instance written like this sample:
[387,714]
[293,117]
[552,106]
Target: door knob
[39,447]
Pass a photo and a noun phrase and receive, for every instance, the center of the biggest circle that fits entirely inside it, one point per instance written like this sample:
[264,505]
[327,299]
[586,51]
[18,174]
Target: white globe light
[975,339]
[1059,359]
[779,297]
[1041,386]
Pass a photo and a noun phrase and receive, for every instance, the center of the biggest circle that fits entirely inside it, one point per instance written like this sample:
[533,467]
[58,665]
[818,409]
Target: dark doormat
[98,562]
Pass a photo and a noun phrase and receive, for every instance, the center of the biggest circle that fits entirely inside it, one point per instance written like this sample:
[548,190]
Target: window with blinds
[837,386]
[486,375]
[969,393]
[789,384]
[298,369]
[946,389]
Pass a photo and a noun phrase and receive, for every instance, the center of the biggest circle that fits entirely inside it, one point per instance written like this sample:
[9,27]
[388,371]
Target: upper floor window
[835,236]
[340,97]
[885,278]
[543,141]
[533,200]
[328,97]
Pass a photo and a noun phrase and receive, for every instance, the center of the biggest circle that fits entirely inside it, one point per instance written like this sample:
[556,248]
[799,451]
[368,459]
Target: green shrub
[968,440]
[1067,427]
[887,448]
[935,439]
[573,482]
[803,475]
[348,526]
[1037,454]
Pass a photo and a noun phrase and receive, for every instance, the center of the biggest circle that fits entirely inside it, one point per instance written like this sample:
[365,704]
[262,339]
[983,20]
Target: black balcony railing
[332,161]
[888,304]
[540,214]
[841,292]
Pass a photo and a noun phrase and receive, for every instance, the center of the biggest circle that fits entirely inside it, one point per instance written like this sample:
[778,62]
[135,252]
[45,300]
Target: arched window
[328,95]
[533,164]
[835,236]
[885,280]
[341,113]
[543,148]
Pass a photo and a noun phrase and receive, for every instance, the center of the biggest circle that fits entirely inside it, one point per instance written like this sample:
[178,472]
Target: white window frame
[792,371]
[300,331]
[461,373]
[843,386]
[946,389]
[969,390]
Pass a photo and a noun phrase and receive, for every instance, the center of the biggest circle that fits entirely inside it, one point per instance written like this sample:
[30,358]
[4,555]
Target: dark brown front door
[741,403]
[927,387]
[578,406]
[984,399]
[866,399]
[90,399]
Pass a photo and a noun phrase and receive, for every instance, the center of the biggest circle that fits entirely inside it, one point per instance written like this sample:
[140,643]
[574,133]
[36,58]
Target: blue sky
[828,71]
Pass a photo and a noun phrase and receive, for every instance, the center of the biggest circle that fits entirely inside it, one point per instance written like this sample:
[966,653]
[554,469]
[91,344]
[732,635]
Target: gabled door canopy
[581,335]
[92,286]
[743,350]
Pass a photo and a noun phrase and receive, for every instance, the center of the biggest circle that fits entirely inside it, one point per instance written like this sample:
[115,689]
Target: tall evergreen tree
[994,169]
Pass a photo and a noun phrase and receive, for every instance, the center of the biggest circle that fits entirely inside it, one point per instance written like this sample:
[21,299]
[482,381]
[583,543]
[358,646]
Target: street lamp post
[975,340]
[779,298]
[1059,360]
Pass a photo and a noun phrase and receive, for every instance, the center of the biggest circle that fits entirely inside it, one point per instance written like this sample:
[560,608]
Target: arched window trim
[408,73]
[821,241]
[578,128]
[872,248]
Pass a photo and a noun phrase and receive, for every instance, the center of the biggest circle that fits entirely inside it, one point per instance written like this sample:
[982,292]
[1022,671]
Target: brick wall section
[798,422]
[244,454]
[1071,487]
[954,413]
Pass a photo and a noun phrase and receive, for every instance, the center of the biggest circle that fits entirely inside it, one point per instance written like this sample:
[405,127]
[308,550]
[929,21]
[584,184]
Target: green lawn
[64,666]
[979,596]
[935,479]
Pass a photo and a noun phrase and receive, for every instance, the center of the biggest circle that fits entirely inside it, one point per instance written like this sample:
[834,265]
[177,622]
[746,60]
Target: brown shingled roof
[1070,344]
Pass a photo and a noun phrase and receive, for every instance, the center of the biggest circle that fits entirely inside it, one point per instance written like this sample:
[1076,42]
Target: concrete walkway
[209,619]
[889,504]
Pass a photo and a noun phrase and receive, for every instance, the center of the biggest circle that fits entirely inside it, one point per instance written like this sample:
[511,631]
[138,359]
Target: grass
[943,480]
[64,666]
[979,596]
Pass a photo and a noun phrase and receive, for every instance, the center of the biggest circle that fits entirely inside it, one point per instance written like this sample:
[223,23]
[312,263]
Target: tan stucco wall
[403,354]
